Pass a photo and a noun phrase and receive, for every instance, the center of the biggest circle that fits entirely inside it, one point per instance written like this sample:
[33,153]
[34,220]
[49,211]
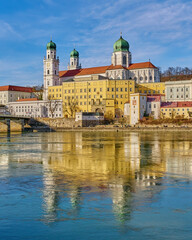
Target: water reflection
[130,169]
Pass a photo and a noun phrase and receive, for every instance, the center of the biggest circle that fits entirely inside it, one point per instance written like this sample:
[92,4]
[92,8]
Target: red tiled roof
[83,71]
[153,98]
[176,104]
[111,67]
[169,104]
[16,88]
[103,69]
[27,99]
[141,65]
[184,104]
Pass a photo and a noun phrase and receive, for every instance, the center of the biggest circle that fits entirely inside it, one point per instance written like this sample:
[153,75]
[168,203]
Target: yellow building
[104,95]
[176,109]
[151,88]
[55,92]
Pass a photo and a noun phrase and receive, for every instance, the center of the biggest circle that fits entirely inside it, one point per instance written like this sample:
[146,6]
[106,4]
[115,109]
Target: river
[96,185]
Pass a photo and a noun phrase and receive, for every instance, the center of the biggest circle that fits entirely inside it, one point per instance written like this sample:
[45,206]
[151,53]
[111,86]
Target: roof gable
[141,65]
[16,88]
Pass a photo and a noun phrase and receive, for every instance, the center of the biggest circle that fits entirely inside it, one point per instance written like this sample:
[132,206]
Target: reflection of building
[126,166]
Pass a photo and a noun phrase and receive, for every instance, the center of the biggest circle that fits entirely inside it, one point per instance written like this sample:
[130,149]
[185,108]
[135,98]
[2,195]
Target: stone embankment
[64,124]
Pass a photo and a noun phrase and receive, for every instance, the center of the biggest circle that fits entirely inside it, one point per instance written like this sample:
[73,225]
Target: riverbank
[127,129]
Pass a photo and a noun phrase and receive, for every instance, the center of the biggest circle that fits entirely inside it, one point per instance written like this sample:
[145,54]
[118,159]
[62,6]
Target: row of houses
[177,101]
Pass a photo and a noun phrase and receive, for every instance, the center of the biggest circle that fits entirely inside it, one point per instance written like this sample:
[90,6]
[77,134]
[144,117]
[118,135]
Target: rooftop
[102,69]
[16,88]
[176,104]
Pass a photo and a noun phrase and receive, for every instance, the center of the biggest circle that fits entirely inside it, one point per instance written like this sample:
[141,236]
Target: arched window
[48,56]
[124,60]
[47,71]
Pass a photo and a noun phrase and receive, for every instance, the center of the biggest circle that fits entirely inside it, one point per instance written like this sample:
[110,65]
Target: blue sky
[157,29]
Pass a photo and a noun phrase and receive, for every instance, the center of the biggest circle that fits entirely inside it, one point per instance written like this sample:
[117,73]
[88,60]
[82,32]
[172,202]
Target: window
[112,89]
[94,89]
[154,105]
[130,89]
[89,89]
[117,96]
[124,60]
[47,71]
[121,89]
[112,96]
[80,90]
[108,89]
[126,89]
[100,89]
[117,89]
[85,90]
[55,72]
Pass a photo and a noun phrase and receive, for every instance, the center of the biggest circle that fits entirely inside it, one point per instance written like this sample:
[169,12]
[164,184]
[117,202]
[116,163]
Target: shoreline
[124,129]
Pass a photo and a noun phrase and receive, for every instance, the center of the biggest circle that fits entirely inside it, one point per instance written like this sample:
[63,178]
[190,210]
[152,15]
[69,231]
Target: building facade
[101,89]
[137,107]
[177,91]
[176,110]
[11,93]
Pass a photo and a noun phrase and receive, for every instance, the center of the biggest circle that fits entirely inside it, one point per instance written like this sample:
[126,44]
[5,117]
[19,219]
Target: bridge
[10,123]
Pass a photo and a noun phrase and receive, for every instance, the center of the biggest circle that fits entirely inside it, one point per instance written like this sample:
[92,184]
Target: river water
[96,185]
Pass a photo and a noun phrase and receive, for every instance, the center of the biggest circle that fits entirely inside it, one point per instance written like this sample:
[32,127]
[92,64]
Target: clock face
[48,64]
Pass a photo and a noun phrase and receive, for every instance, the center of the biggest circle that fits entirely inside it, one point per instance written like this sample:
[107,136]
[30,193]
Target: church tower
[74,60]
[121,55]
[51,68]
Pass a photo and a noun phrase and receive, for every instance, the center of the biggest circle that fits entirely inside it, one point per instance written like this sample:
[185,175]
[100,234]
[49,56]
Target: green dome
[74,53]
[121,45]
[51,45]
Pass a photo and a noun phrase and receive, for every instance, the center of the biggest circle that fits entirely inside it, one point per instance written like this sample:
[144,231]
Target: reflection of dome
[74,53]
[51,45]
[121,45]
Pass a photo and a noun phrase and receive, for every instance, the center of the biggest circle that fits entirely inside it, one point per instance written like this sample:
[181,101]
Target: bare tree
[52,105]
[71,107]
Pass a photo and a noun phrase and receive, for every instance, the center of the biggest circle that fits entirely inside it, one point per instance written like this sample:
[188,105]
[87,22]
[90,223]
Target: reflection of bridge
[9,123]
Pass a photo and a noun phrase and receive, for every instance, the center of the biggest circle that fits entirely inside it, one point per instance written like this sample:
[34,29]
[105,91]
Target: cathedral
[121,68]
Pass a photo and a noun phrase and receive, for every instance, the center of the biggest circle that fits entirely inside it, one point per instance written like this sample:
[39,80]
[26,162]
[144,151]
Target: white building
[153,107]
[11,93]
[51,69]
[138,103]
[36,108]
[177,91]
